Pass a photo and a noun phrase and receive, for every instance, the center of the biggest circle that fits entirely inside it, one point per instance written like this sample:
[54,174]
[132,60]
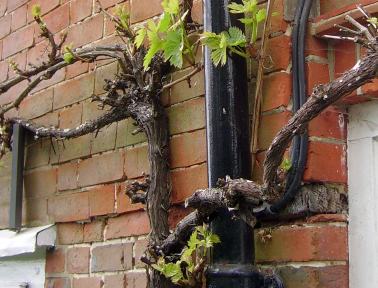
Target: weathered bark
[322,97]
[153,120]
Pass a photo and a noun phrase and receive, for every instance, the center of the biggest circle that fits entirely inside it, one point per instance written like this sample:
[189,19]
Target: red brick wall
[79,183]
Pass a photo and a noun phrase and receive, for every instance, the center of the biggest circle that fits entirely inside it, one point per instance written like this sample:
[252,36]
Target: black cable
[299,157]
[300,143]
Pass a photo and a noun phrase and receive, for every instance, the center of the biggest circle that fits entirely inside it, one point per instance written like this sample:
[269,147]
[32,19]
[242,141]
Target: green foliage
[123,18]
[373,21]
[286,164]
[253,16]
[193,256]
[36,11]
[234,40]
[68,55]
[166,36]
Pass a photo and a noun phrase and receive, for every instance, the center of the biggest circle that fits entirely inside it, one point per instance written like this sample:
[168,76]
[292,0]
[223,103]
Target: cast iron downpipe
[228,153]
[227,119]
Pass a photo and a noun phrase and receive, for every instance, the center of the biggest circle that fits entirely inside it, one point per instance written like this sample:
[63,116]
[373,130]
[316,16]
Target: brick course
[79,183]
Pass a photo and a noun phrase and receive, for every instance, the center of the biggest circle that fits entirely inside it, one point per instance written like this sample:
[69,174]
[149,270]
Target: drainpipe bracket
[256,277]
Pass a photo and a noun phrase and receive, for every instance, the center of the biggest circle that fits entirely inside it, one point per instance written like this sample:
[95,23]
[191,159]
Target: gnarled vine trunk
[154,122]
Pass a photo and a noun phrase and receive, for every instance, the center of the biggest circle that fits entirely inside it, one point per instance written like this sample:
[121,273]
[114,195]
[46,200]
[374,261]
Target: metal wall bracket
[17,182]
[255,278]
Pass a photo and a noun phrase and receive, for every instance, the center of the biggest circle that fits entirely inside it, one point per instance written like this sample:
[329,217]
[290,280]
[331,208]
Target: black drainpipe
[227,117]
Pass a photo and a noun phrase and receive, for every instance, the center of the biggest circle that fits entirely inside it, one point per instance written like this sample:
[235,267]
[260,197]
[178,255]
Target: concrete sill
[324,24]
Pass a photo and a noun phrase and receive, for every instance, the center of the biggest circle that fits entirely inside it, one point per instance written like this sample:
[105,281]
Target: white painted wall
[363,195]
[27,268]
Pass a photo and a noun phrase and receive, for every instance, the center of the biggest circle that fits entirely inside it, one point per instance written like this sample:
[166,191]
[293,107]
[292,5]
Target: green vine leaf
[171,6]
[36,11]
[233,40]
[123,16]
[286,164]
[140,36]
[173,48]
[68,56]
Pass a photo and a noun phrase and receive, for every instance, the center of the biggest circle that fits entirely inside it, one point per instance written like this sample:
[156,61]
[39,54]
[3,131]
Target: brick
[19,18]
[3,7]
[136,279]
[105,139]
[115,281]
[55,260]
[93,232]
[73,91]
[111,169]
[144,9]
[40,183]
[186,181]
[12,93]
[78,260]
[101,200]
[67,176]
[124,203]
[279,49]
[188,149]
[332,154]
[316,46]
[92,282]
[328,6]
[37,105]
[269,126]
[73,148]
[91,111]
[316,74]
[3,71]
[38,154]
[330,124]
[59,76]
[140,248]
[50,119]
[69,233]
[276,91]
[70,117]
[72,207]
[46,6]
[313,277]
[299,244]
[56,20]
[102,73]
[182,91]
[187,116]
[86,32]
[125,136]
[101,261]
[36,212]
[109,3]
[176,214]
[76,69]
[325,218]
[197,11]
[80,9]
[58,282]
[370,89]
[13,4]
[18,41]
[136,162]
[277,22]
[20,61]
[131,224]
